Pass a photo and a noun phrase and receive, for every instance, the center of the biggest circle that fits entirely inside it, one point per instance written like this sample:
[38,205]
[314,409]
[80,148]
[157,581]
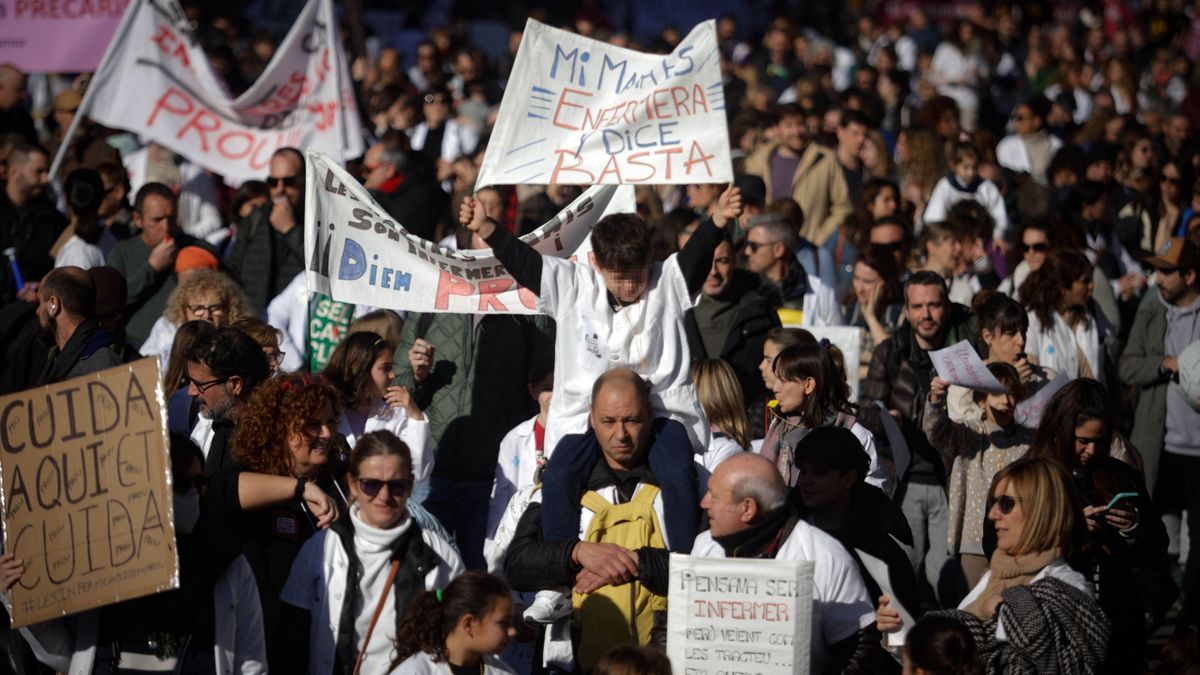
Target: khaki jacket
[819,187]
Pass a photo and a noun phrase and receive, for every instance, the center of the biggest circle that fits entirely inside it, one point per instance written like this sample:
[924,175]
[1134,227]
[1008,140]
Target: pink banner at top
[57,36]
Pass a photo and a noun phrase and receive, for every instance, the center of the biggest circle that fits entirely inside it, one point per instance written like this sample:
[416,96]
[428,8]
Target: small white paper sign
[1029,411]
[849,340]
[739,616]
[959,364]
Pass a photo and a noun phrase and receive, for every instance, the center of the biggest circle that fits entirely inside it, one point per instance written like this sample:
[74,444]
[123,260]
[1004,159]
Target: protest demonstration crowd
[821,337]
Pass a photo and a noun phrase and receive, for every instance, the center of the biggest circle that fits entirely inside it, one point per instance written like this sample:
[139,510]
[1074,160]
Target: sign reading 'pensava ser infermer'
[86,492]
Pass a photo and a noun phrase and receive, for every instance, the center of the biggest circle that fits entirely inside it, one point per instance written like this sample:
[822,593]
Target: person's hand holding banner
[472,217]
[959,364]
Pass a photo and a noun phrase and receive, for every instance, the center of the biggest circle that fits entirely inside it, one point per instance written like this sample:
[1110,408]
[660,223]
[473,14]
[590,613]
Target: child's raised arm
[519,258]
[696,256]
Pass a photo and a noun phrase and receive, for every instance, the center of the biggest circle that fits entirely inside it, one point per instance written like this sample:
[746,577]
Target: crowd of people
[362,490]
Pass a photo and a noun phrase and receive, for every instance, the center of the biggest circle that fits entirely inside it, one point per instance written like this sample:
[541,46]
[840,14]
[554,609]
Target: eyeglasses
[274,358]
[204,386]
[430,98]
[1006,503]
[755,245]
[207,310]
[399,487]
[285,181]
[1040,247]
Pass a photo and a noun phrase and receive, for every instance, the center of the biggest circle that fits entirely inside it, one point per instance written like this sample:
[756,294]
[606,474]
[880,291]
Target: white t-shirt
[77,252]
[414,433]
[841,606]
[423,664]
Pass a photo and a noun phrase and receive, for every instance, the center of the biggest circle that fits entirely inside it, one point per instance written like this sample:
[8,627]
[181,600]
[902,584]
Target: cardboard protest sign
[57,37]
[849,340]
[304,98]
[86,492]
[584,112]
[739,615]
[357,254]
[959,364]
[1029,411]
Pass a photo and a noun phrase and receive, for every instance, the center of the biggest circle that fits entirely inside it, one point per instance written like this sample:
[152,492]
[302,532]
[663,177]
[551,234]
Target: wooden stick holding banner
[739,616]
[960,364]
[85,485]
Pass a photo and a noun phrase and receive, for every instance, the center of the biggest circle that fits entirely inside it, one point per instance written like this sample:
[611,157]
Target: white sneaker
[548,606]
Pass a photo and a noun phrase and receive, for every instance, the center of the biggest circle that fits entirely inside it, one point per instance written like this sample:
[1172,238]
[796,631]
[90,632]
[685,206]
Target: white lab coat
[1013,154]
[318,583]
[945,195]
[820,305]
[647,336]
[516,465]
[423,664]
[1057,349]
[414,433]
[458,139]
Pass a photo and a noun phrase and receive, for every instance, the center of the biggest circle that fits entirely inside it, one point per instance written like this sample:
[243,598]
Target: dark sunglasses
[1039,248]
[1006,503]
[285,181]
[399,487]
[892,246]
[755,245]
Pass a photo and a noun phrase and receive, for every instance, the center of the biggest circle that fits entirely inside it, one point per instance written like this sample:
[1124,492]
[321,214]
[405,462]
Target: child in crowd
[457,629]
[621,311]
[633,660]
[940,645]
[523,450]
[361,370]
[726,412]
[964,182]
[981,445]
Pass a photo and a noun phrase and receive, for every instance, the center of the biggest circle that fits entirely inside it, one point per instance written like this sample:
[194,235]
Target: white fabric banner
[357,254]
[583,112]
[739,616]
[156,81]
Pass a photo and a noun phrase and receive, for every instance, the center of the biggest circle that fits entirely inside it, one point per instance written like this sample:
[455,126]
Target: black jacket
[753,318]
[417,202]
[262,259]
[31,230]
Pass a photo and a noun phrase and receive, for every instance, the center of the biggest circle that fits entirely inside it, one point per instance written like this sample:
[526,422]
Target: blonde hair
[721,398]
[177,367]
[383,322]
[205,281]
[1050,503]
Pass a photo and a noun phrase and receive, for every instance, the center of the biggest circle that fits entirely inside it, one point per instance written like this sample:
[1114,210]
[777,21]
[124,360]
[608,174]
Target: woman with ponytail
[456,630]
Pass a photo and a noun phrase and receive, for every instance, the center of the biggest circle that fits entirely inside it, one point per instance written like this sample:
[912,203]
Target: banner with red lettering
[357,254]
[57,36]
[584,112]
[157,82]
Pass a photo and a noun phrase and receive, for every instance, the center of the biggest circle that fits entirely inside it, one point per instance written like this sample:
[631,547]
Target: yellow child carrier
[615,615]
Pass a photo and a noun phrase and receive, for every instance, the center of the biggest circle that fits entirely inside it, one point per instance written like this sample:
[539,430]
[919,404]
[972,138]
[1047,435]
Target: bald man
[750,517]
[66,317]
[14,118]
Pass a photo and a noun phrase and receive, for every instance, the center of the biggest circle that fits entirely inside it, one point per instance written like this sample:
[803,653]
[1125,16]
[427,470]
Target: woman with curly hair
[462,627]
[205,295]
[351,584]
[921,163]
[285,486]
[1065,333]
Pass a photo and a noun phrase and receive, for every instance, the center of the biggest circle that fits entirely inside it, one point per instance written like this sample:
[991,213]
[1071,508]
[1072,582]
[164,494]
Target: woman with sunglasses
[1034,241]
[1031,608]
[1124,530]
[351,584]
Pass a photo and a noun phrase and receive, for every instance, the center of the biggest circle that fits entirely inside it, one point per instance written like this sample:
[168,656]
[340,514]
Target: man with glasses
[1166,426]
[268,250]
[770,252]
[404,184]
[223,367]
[148,261]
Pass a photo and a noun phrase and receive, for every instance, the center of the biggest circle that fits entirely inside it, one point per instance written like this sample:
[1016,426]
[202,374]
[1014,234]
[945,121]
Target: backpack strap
[592,501]
[645,495]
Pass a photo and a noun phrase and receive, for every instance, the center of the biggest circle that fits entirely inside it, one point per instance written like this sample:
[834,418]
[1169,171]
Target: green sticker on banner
[328,323]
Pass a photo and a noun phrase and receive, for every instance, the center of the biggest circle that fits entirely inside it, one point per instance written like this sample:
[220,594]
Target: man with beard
[29,223]
[268,249]
[731,321]
[66,318]
[899,377]
[224,365]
